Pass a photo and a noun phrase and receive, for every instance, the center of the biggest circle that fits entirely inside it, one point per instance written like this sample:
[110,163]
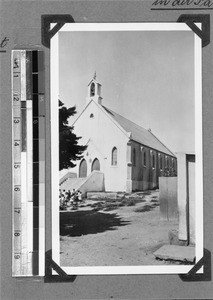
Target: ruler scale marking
[24,229]
[29,144]
[27,215]
[16,135]
[35,162]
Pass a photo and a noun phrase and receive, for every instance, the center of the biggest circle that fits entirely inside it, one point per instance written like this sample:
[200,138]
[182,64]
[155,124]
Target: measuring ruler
[28,139]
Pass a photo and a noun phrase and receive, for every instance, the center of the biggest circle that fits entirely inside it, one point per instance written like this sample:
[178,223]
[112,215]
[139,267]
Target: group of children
[69,198]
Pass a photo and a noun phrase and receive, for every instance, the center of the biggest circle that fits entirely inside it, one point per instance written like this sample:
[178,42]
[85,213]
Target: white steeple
[94,91]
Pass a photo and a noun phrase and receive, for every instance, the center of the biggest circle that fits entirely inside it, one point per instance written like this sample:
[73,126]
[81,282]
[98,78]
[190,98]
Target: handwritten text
[192,3]
[3,43]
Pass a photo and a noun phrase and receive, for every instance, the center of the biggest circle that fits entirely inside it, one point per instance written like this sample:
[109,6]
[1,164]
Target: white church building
[130,157]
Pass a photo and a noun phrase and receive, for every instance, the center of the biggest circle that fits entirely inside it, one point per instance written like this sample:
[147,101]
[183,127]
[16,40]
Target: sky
[146,76]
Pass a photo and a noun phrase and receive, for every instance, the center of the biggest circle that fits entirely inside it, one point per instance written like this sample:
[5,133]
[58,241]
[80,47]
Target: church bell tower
[94,91]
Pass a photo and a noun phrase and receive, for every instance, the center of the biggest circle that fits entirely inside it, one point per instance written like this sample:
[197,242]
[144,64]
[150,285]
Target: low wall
[93,183]
[102,195]
[66,176]
[168,198]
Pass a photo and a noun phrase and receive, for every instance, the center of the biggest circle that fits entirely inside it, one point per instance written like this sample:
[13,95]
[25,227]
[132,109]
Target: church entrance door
[83,169]
[95,165]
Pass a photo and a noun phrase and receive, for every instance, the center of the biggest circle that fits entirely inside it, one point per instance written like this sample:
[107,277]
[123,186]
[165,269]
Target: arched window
[92,89]
[95,165]
[114,156]
[134,157]
[144,158]
[83,168]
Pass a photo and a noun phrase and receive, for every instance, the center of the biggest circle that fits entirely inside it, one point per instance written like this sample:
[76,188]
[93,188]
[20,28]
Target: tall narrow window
[83,168]
[161,162]
[134,157]
[144,158]
[169,162]
[114,156]
[167,165]
[173,163]
[153,160]
[95,165]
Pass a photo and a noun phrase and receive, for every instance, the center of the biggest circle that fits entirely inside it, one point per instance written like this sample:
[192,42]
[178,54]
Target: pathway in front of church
[123,236]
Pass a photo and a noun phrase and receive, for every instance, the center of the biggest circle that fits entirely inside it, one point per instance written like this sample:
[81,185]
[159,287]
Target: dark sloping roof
[138,133]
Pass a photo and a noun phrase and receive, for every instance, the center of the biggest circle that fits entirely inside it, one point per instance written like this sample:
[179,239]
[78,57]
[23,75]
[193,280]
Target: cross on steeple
[94,76]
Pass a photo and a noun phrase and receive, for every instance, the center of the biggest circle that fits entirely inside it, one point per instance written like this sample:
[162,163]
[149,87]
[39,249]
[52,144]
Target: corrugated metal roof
[138,133]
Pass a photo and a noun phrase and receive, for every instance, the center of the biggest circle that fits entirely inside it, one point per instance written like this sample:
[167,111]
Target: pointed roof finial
[94,77]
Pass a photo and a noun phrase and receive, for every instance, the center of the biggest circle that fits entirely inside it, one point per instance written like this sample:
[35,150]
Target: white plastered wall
[102,134]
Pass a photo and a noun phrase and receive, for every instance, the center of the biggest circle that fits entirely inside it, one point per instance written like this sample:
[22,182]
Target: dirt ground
[114,233]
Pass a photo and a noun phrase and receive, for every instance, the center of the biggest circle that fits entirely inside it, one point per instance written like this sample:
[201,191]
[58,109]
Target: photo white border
[54,90]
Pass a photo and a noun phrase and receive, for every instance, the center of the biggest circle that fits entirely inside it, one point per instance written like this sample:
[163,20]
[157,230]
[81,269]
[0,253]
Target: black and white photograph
[107,133]
[126,148]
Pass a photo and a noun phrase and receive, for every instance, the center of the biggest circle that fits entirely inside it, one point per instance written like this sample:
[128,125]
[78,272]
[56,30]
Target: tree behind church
[69,150]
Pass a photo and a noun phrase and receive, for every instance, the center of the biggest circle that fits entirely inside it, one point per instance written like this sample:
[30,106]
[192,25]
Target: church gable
[97,114]
[93,119]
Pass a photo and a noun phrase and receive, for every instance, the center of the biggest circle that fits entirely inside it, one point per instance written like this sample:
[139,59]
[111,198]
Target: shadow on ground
[88,222]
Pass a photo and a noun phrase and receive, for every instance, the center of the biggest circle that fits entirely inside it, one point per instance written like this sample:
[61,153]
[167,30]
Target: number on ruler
[16,98]
[17,256]
[16,143]
[17,210]
[16,189]
[16,166]
[16,121]
[15,63]
[17,234]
